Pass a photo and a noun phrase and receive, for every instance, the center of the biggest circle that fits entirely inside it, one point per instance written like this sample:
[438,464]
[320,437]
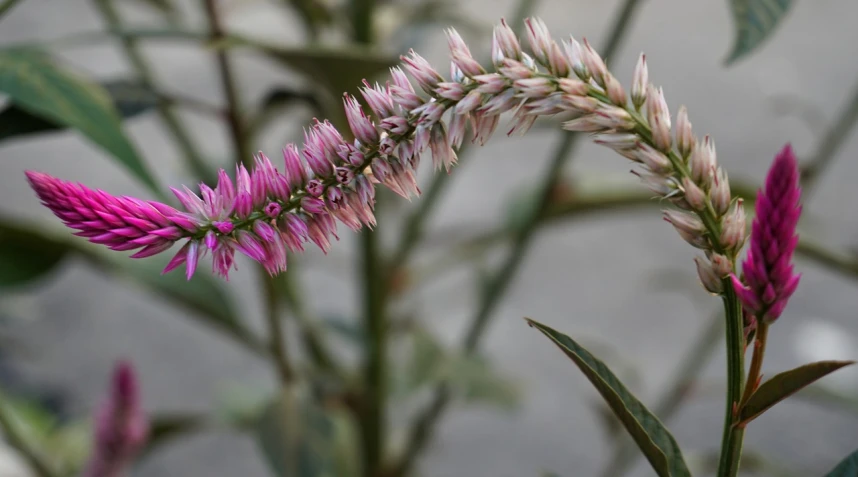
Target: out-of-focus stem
[37,462]
[142,69]
[7,5]
[830,143]
[276,336]
[310,333]
[230,87]
[423,427]
[362,21]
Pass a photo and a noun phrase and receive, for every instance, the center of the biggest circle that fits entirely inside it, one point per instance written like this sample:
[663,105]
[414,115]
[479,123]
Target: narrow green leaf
[785,384]
[848,467]
[754,21]
[26,256]
[129,98]
[35,84]
[654,440]
[300,438]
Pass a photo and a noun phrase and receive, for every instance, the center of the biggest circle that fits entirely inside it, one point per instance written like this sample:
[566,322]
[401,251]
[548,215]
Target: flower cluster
[768,266]
[121,428]
[264,213]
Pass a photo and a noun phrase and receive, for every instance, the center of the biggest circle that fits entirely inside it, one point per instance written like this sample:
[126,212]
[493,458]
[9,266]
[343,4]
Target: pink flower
[768,267]
[121,427]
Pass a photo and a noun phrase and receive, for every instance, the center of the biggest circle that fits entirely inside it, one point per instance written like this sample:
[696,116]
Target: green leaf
[301,438]
[427,360]
[478,382]
[35,84]
[848,467]
[754,21]
[654,440]
[166,427]
[27,256]
[785,384]
[129,98]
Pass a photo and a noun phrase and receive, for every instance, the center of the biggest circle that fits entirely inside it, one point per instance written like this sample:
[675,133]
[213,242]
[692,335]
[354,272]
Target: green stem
[754,372]
[38,463]
[276,336]
[375,360]
[731,442]
[230,87]
[362,21]
[310,333]
[142,69]
[830,144]
[423,427]
[7,5]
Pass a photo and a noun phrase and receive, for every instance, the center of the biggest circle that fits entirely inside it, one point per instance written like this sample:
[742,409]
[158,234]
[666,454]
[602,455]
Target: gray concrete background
[589,278]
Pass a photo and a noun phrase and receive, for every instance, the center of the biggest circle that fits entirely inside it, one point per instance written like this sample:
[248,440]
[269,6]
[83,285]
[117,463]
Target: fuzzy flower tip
[768,269]
[121,427]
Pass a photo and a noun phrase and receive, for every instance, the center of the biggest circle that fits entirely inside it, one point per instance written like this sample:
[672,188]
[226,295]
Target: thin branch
[276,336]
[830,144]
[143,70]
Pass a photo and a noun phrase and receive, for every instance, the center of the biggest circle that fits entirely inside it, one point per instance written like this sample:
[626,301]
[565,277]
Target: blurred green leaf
[783,385]
[478,382]
[426,362]
[299,437]
[36,84]
[347,329]
[26,257]
[848,467]
[165,7]
[754,21]
[129,98]
[654,440]
[166,427]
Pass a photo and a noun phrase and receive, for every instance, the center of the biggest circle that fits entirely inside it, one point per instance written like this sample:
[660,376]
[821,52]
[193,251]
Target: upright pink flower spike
[768,267]
[121,427]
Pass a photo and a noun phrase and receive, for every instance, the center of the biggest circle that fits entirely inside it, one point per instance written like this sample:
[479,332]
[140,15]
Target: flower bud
[708,276]
[720,192]
[615,90]
[733,227]
[659,118]
[689,226]
[702,162]
[684,135]
[721,264]
[639,83]
[694,195]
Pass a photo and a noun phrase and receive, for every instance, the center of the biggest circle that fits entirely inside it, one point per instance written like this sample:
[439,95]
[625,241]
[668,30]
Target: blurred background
[622,281]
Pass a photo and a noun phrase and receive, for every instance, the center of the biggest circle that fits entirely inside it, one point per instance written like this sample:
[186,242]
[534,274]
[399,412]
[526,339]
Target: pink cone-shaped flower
[121,427]
[769,276]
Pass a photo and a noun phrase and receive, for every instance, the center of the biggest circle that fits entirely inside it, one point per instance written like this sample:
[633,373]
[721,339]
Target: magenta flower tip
[769,277]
